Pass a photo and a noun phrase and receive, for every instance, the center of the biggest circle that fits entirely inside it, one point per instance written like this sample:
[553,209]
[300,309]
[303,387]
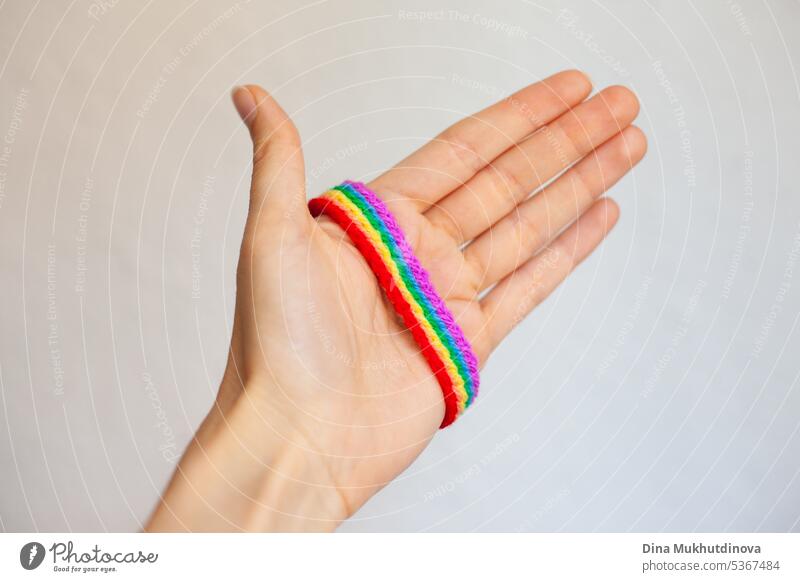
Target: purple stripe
[421,275]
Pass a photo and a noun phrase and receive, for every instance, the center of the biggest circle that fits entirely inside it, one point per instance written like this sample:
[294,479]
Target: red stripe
[375,261]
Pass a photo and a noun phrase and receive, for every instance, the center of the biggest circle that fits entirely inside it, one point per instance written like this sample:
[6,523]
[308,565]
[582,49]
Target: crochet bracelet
[379,239]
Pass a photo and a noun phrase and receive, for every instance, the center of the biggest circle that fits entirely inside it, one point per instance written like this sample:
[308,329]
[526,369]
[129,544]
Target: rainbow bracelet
[379,239]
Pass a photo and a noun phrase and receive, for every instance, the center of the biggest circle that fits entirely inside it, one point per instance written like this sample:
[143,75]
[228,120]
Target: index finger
[460,151]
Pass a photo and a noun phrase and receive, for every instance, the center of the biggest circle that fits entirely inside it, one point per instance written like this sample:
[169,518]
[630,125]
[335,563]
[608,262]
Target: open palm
[318,350]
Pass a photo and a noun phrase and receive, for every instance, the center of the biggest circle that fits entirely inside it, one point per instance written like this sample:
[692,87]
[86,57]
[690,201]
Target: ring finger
[510,178]
[535,222]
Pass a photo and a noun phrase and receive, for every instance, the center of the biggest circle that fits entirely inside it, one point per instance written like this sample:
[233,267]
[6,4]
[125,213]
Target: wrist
[248,470]
[296,491]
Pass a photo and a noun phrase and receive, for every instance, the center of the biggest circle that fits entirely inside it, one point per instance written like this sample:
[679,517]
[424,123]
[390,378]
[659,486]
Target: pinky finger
[516,295]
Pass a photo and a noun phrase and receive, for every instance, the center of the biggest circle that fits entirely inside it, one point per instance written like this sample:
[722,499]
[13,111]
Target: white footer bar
[401,557]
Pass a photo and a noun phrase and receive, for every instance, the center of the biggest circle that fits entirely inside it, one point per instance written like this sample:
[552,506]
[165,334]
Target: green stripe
[372,217]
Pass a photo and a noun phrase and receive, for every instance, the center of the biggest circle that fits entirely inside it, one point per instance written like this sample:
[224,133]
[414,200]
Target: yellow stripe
[374,236]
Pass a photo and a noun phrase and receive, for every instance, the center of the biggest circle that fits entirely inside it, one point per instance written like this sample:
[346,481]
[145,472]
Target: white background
[656,390]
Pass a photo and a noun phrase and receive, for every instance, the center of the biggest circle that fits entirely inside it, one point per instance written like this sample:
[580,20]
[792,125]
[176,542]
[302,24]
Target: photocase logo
[31,555]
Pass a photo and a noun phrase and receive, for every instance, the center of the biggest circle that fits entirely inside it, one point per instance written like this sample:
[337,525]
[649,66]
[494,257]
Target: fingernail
[245,104]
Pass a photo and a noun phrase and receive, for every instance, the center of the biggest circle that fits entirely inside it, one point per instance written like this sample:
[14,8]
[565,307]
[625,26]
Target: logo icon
[31,555]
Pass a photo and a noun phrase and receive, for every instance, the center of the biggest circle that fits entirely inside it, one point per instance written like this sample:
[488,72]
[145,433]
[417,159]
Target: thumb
[277,192]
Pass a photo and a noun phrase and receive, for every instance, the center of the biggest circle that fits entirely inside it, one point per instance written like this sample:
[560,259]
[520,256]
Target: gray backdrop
[656,390]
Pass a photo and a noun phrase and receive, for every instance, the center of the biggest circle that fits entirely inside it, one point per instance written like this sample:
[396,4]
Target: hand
[326,397]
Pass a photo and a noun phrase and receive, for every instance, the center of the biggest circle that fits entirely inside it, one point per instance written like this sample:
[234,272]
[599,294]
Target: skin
[325,398]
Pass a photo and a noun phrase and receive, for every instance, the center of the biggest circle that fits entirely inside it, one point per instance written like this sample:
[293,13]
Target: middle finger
[510,178]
